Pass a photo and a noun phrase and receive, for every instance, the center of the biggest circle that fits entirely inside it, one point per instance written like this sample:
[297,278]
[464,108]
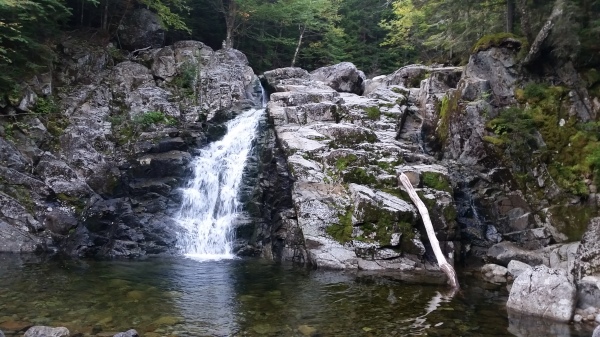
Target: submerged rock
[128,333]
[46,331]
[544,292]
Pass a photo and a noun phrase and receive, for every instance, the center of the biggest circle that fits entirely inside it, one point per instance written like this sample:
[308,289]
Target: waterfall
[210,201]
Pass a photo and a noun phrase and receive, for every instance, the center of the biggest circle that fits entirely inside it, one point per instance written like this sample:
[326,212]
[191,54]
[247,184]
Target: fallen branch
[435,244]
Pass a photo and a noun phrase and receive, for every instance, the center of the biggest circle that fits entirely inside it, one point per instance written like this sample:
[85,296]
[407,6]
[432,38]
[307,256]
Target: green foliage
[186,75]
[165,10]
[342,231]
[570,150]
[25,28]
[45,106]
[373,113]
[154,117]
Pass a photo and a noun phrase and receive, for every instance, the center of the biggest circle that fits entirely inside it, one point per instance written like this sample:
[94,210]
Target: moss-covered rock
[497,40]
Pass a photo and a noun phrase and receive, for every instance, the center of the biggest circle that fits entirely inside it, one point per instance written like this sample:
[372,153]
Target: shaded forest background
[378,36]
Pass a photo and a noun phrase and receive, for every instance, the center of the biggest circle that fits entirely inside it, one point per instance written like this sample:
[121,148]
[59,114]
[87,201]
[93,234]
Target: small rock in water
[128,333]
[307,330]
[262,329]
[46,331]
[167,320]
[577,318]
[591,317]
[135,295]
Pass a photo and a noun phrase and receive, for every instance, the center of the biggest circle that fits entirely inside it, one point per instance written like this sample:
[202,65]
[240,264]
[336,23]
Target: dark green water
[182,297]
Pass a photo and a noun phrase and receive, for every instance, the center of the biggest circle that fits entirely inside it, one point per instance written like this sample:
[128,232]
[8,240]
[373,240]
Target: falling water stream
[210,201]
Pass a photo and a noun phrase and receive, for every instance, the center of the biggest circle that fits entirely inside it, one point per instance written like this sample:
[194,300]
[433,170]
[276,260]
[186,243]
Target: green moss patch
[495,40]
[342,231]
[436,181]
[448,107]
[359,175]
[373,113]
[343,162]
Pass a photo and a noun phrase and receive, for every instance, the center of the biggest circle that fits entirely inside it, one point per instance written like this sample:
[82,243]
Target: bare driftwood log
[543,34]
[435,244]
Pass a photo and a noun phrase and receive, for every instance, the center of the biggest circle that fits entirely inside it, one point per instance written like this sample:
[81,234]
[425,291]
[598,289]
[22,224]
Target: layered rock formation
[94,170]
[344,153]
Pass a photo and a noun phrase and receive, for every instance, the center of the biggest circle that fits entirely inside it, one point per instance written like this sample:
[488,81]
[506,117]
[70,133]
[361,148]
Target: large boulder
[141,29]
[545,292]
[498,66]
[343,77]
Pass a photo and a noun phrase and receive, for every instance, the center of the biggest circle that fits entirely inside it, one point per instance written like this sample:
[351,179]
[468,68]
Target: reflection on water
[182,297]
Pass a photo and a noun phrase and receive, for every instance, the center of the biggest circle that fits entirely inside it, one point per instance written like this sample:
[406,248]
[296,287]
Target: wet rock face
[100,177]
[344,153]
[543,292]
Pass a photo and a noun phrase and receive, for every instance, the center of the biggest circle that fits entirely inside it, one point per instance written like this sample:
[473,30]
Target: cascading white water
[210,202]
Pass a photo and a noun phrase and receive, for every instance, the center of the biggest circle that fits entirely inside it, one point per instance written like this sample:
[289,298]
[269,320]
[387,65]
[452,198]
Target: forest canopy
[379,36]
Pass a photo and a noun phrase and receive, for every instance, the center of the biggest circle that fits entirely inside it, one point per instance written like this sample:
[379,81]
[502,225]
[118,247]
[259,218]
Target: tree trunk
[230,12]
[541,37]
[105,16]
[510,15]
[435,244]
[302,29]
[525,20]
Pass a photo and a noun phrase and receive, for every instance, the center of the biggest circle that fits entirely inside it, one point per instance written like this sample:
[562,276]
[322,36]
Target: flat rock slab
[504,252]
[544,292]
